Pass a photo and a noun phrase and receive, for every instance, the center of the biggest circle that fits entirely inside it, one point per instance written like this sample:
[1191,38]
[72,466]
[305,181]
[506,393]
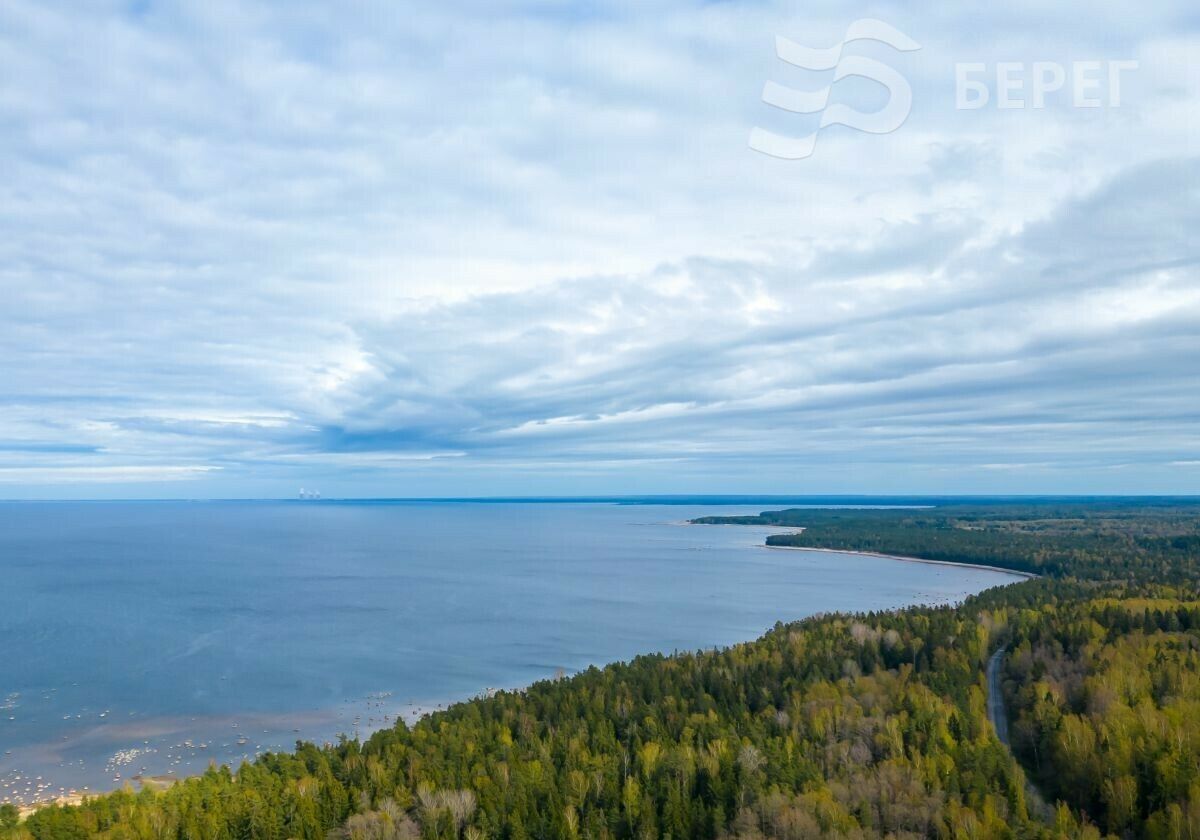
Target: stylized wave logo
[887,119]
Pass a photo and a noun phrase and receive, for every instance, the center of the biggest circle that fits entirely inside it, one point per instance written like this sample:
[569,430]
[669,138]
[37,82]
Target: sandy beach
[999,569]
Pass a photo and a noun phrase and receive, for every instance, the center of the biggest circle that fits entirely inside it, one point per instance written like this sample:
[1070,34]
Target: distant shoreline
[1013,572]
[799,529]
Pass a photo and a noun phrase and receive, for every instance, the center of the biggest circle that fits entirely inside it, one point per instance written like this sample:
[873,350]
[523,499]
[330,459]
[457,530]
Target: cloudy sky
[492,247]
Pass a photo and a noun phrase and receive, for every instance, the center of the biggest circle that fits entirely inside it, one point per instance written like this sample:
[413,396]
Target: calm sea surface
[156,637]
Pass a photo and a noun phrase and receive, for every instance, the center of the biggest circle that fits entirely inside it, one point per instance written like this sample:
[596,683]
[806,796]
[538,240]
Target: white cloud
[303,242]
[100,475]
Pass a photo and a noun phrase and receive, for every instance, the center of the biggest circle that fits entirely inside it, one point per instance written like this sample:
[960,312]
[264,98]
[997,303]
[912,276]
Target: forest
[864,725]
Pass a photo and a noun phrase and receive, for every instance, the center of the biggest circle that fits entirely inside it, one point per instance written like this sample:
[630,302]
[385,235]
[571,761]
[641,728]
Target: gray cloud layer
[510,248]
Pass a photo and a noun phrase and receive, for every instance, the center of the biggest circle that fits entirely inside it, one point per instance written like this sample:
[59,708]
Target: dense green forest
[867,725]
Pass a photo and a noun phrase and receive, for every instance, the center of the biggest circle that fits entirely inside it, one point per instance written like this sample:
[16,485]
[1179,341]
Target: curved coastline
[76,796]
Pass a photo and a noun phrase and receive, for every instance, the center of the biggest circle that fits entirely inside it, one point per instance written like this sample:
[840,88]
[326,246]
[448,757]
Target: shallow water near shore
[156,637]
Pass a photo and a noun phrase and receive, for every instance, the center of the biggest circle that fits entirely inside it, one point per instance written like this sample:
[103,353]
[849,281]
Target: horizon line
[727,498]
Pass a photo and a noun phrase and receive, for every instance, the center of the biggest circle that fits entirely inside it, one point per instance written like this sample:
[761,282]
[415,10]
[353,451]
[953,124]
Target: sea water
[152,638]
